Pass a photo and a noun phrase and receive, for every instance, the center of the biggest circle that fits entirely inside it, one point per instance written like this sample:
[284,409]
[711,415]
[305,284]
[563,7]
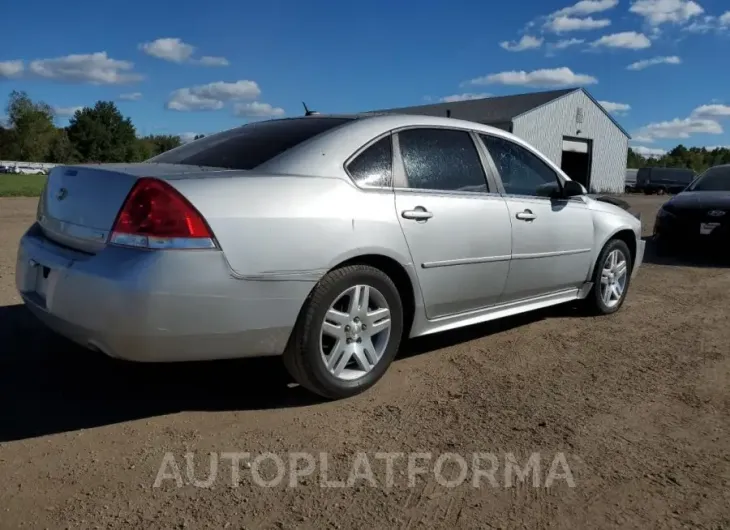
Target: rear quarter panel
[295,227]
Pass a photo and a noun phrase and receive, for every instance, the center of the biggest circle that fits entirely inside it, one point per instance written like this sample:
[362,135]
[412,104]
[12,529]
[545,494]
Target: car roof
[325,154]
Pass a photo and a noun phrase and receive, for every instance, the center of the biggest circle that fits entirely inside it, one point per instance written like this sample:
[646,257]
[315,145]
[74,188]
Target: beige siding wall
[546,126]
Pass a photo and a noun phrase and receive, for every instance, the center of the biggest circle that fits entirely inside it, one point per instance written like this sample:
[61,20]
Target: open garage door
[576,159]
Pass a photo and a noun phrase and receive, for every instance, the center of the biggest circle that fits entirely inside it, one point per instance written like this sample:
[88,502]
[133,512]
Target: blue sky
[198,67]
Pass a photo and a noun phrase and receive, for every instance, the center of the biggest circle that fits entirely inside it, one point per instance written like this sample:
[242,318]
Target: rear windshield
[714,179]
[251,145]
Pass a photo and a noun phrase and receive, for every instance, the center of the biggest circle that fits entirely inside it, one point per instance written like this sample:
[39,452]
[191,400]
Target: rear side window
[251,145]
[675,175]
[643,174]
[374,166]
[442,159]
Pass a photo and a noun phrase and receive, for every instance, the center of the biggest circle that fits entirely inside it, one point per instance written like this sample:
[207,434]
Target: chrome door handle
[527,215]
[418,214]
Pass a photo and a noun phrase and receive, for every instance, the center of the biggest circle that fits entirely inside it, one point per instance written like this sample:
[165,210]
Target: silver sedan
[324,239]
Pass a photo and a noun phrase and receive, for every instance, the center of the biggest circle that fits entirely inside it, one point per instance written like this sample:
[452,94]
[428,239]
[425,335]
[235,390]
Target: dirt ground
[638,403]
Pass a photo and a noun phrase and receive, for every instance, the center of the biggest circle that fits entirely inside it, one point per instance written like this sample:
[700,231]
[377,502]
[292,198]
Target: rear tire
[347,334]
[611,279]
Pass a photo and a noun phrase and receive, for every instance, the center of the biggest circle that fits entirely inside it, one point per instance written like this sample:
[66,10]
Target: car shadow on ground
[50,385]
[686,257]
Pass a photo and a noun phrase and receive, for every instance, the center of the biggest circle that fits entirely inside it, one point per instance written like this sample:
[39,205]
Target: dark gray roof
[496,110]
[487,110]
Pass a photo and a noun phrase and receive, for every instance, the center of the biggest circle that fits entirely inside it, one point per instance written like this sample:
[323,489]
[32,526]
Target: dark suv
[662,180]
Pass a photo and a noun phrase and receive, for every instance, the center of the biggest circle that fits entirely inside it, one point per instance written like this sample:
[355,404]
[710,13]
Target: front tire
[611,278]
[347,334]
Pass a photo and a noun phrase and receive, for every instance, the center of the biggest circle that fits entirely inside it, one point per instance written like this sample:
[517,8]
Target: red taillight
[156,215]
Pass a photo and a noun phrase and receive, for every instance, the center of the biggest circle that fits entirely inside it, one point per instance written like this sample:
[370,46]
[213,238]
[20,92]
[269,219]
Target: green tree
[102,134]
[31,128]
[61,150]
[697,159]
[153,145]
[164,142]
[7,145]
[635,160]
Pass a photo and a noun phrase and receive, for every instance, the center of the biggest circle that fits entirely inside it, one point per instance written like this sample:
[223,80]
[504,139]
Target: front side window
[374,166]
[522,172]
[441,160]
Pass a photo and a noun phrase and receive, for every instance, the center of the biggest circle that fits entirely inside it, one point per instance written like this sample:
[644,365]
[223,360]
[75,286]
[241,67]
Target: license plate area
[707,228]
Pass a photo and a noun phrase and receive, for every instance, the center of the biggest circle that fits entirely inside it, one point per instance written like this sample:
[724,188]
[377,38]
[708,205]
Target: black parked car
[663,180]
[698,215]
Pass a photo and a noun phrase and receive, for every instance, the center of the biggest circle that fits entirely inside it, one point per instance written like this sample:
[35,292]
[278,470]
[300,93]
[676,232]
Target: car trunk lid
[79,204]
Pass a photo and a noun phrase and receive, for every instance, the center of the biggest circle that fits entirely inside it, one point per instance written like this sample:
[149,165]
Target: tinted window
[714,179]
[373,167]
[441,159]
[248,146]
[675,175]
[522,172]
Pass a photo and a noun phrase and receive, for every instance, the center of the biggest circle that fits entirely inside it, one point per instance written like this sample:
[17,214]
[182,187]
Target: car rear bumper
[155,306]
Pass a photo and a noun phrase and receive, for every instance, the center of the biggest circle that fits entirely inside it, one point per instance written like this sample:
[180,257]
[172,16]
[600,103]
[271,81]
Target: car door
[456,225]
[552,238]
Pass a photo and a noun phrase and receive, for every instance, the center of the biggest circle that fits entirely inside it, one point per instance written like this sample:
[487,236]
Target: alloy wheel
[355,332]
[613,278]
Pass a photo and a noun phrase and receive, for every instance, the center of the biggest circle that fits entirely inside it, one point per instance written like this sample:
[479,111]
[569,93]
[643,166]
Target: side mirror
[572,188]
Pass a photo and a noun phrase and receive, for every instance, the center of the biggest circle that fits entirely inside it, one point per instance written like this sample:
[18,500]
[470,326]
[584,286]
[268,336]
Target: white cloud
[527,42]
[65,112]
[615,108]
[648,152]
[212,96]
[207,60]
[563,24]
[680,128]
[557,77]
[464,97]
[628,39]
[587,7]
[657,12]
[132,96]
[714,147]
[642,138]
[168,49]
[187,137]
[256,109]
[11,69]
[725,19]
[95,68]
[712,112]
[177,51]
[705,25]
[646,63]
[566,43]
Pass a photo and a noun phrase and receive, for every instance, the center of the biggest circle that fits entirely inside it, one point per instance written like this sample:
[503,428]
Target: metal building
[569,126]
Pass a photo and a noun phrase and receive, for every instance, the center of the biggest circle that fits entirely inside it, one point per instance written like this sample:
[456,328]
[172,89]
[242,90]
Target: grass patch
[21,185]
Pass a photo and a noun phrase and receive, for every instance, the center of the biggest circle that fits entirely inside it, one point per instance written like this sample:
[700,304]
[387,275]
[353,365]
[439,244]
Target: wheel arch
[402,278]
[625,234]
